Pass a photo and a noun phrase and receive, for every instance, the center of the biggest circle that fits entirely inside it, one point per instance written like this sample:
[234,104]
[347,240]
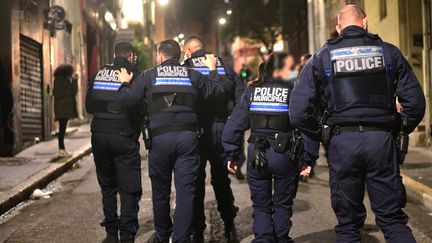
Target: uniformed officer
[264,109]
[212,115]
[115,147]
[357,77]
[171,93]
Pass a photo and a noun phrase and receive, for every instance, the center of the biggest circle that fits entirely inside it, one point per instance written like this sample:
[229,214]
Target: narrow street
[74,212]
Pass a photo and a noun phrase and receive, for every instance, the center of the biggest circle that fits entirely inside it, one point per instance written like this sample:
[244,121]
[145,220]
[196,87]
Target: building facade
[28,55]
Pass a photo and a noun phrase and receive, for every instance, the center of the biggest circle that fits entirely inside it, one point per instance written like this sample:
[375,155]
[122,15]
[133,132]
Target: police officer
[357,77]
[171,92]
[212,114]
[264,109]
[115,147]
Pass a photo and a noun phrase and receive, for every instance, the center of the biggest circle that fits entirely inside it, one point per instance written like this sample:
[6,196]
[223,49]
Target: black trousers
[62,131]
[118,168]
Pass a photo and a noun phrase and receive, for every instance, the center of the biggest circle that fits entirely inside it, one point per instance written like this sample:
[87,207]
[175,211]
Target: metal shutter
[31,89]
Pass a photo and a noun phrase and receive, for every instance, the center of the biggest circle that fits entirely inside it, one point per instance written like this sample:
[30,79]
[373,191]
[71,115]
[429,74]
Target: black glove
[259,160]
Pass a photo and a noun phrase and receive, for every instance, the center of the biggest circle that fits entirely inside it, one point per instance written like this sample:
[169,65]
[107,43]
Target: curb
[418,191]
[22,191]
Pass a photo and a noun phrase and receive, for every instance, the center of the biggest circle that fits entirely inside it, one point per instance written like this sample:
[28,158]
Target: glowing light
[108,16]
[133,11]
[181,36]
[229,12]
[163,2]
[222,21]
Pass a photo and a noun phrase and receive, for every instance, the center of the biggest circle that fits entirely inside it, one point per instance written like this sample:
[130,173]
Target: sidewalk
[417,175]
[38,165]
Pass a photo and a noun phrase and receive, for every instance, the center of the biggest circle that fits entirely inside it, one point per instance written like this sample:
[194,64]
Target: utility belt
[329,131]
[163,130]
[401,138]
[279,142]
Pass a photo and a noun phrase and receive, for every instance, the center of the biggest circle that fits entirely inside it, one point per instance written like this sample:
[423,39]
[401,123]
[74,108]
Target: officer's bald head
[351,15]
[192,44]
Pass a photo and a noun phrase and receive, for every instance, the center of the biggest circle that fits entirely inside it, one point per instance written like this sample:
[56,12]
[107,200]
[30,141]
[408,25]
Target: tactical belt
[336,130]
[278,141]
[160,103]
[162,130]
[255,136]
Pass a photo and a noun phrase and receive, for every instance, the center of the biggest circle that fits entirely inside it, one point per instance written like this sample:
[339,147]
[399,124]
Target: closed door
[31,89]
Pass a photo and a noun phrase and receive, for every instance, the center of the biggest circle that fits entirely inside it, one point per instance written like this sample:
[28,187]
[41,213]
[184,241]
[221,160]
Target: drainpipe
[427,70]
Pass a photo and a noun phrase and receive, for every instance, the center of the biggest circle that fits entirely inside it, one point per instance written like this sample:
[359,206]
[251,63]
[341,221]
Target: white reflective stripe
[263,106]
[358,51]
[173,81]
[106,85]
[206,71]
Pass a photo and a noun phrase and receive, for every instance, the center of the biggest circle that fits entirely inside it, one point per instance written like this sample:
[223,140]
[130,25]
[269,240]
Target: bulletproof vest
[222,107]
[172,90]
[269,106]
[358,77]
[104,94]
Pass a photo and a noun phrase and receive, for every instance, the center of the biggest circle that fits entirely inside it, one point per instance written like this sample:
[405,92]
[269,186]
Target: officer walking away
[171,92]
[212,115]
[273,155]
[357,77]
[115,148]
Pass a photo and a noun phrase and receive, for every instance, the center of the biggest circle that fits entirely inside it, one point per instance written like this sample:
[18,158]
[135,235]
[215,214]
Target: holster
[326,134]
[279,143]
[297,149]
[402,143]
[146,133]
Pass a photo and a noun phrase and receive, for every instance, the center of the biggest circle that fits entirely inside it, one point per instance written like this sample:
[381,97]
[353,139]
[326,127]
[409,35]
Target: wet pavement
[418,165]
[74,212]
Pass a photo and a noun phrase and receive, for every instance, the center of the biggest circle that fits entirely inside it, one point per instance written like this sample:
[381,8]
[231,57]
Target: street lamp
[109,18]
[163,2]
[229,12]
[222,21]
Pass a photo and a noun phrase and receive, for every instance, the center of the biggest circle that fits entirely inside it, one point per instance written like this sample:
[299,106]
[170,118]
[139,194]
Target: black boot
[197,238]
[159,241]
[239,175]
[231,233]
[111,238]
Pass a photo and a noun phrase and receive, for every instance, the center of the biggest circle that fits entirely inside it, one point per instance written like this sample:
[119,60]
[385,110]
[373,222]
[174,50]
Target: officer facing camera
[171,93]
[115,147]
[354,79]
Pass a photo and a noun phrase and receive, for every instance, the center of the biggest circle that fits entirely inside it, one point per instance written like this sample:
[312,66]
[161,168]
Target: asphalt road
[74,212]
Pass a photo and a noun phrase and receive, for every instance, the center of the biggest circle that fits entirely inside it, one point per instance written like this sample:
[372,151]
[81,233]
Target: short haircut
[123,49]
[195,38]
[170,49]
[353,11]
